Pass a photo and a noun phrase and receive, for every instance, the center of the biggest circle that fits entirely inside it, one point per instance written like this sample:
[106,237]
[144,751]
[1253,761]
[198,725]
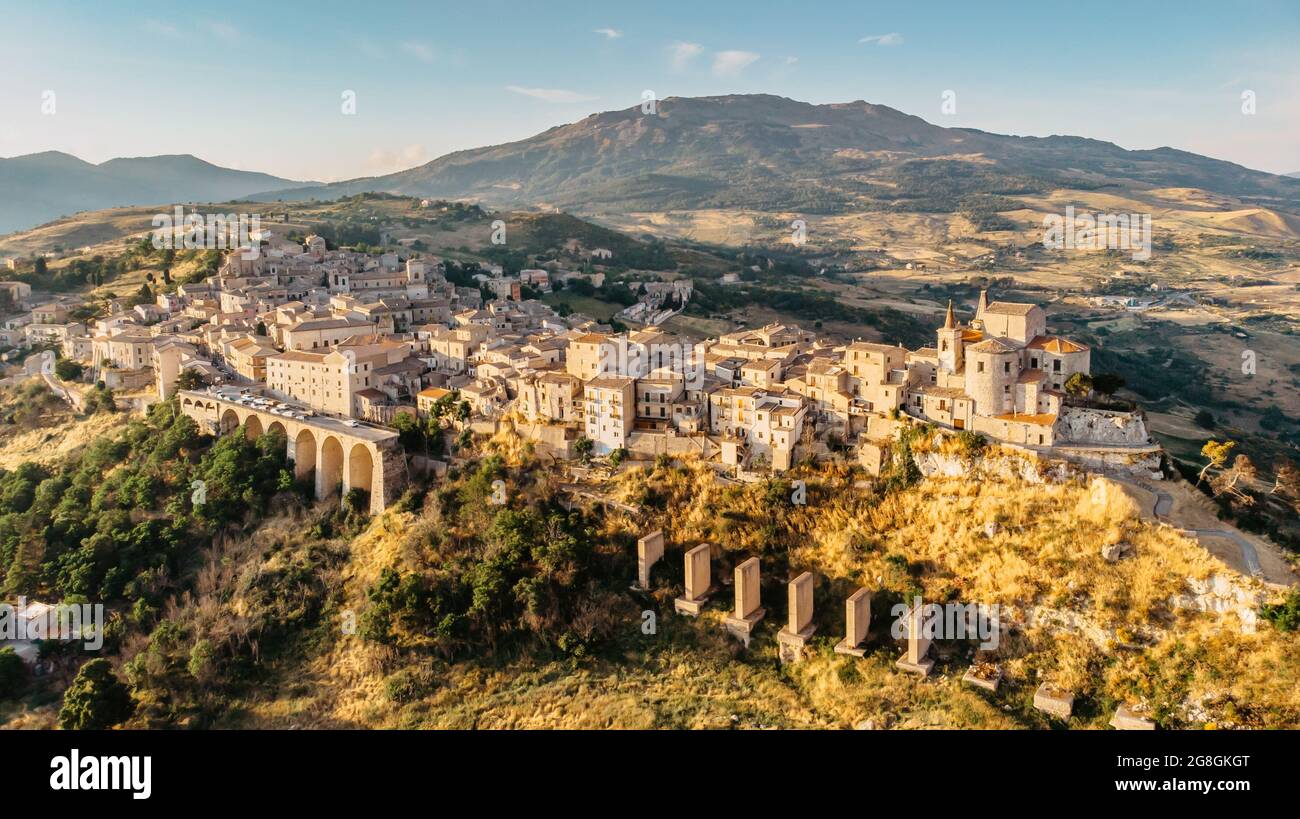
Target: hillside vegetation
[450,611]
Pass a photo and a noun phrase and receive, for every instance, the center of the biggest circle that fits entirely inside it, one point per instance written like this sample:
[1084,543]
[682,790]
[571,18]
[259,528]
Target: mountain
[39,187]
[768,152]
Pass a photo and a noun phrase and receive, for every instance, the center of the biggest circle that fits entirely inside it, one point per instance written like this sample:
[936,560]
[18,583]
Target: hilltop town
[349,340]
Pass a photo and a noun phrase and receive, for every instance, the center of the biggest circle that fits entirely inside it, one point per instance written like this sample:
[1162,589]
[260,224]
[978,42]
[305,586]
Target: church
[1001,375]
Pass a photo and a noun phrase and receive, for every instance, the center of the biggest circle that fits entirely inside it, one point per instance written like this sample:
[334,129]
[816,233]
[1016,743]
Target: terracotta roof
[1045,420]
[1056,344]
[993,345]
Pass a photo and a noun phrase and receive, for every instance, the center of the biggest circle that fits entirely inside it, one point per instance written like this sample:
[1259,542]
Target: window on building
[979,367]
[1006,366]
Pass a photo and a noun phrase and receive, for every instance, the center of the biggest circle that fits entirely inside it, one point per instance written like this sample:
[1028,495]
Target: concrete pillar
[649,549]
[857,620]
[747,588]
[800,594]
[320,467]
[748,611]
[918,645]
[699,582]
[798,628]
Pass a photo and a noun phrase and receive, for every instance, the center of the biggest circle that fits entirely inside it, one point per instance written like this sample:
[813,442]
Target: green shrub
[12,673]
[408,685]
[96,699]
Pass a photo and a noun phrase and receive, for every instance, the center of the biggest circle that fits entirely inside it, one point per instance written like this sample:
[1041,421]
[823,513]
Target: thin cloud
[550,94]
[791,60]
[731,63]
[609,33]
[159,27]
[420,51]
[223,31]
[681,55]
[893,38]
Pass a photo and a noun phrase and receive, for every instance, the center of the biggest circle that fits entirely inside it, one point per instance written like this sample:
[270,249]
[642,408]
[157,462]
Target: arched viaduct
[336,457]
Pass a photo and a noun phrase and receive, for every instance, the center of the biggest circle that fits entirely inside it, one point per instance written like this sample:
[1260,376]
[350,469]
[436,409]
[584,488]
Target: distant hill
[37,188]
[772,153]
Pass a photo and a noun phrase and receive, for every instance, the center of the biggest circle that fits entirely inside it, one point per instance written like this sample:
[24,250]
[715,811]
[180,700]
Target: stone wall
[1079,425]
[651,444]
[1139,462]
[1000,462]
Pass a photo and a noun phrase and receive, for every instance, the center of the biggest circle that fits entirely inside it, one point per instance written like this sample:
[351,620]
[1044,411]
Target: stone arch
[252,427]
[304,454]
[187,403]
[229,421]
[276,426]
[329,474]
[361,468]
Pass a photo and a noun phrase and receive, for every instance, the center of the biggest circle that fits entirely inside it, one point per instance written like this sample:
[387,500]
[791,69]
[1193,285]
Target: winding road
[1164,505]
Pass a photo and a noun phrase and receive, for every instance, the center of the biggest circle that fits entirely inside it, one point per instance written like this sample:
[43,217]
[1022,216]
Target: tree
[12,673]
[582,448]
[1286,482]
[1205,419]
[142,296]
[1216,455]
[1107,383]
[1232,481]
[191,379]
[96,699]
[67,369]
[616,457]
[1079,385]
[409,431]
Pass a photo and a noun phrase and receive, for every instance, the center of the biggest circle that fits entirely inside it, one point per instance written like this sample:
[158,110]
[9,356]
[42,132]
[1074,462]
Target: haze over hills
[768,152]
[759,152]
[39,187]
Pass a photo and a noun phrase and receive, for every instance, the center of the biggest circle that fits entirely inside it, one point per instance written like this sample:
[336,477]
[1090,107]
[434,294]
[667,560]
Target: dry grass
[1111,635]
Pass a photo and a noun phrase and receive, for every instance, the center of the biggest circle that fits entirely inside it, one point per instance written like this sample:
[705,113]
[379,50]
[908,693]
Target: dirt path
[1179,504]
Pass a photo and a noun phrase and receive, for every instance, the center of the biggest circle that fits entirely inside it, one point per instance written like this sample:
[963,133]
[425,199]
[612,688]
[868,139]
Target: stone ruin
[748,611]
[799,629]
[699,582]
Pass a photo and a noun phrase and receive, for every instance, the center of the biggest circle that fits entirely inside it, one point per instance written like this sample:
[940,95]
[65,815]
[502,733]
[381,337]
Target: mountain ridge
[42,186]
[769,152]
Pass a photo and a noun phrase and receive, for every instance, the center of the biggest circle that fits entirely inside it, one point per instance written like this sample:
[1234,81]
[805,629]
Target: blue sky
[259,85]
